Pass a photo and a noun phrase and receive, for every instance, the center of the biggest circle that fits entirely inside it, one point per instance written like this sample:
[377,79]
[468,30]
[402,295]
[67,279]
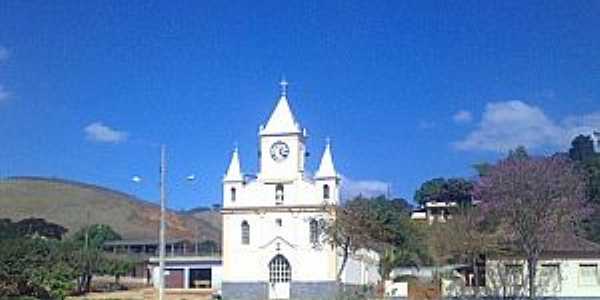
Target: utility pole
[161,258]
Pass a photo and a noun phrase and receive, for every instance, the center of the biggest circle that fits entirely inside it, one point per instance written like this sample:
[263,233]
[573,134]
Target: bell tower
[282,143]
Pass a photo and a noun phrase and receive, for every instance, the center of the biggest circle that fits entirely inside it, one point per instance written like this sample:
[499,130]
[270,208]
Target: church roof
[282,119]
[234,172]
[326,167]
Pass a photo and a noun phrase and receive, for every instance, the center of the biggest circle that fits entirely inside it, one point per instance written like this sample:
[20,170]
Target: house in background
[189,272]
[434,211]
[142,252]
[570,270]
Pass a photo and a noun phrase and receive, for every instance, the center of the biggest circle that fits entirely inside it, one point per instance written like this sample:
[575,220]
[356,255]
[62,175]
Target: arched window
[326,191]
[279,193]
[233,194]
[245,233]
[314,231]
[280,269]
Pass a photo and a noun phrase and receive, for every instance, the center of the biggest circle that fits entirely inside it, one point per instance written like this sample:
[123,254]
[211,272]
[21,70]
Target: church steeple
[282,119]
[234,173]
[326,167]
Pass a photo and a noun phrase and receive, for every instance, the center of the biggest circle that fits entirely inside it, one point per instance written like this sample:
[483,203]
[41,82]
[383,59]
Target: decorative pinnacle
[328,141]
[284,86]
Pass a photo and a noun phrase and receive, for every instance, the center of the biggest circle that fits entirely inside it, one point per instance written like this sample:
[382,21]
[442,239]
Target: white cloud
[3,53]
[351,188]
[4,94]
[506,125]
[99,132]
[462,116]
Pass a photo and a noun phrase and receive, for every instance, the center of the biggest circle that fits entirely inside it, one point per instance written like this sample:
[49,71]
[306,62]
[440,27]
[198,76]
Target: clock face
[279,151]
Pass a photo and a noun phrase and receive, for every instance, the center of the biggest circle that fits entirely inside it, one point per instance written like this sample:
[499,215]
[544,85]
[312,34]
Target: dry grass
[75,205]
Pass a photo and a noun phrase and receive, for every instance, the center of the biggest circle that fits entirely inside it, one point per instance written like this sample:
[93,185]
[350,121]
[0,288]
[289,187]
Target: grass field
[75,205]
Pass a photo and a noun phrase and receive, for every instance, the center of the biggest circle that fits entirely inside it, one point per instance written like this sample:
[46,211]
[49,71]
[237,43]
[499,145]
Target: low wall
[179,294]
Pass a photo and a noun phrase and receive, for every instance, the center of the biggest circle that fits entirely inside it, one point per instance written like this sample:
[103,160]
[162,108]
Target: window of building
[550,276]
[514,274]
[278,222]
[588,274]
[233,194]
[314,231]
[200,279]
[326,191]
[279,270]
[245,233]
[279,193]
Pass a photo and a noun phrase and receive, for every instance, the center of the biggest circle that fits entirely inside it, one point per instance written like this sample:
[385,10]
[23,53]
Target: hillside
[74,205]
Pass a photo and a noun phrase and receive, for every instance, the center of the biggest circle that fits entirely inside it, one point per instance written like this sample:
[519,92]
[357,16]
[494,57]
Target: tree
[519,153]
[535,200]
[89,256]
[591,171]
[34,267]
[31,227]
[582,148]
[377,224]
[466,238]
[439,189]
[116,266]
[482,168]
[94,236]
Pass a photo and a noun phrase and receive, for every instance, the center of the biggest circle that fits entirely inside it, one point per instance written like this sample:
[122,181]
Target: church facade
[273,244]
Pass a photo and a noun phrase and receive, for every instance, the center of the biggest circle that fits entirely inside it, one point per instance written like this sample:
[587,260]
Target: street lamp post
[162,226]
[161,234]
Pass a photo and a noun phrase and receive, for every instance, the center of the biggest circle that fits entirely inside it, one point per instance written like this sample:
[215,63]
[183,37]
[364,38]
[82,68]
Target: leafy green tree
[582,148]
[94,236]
[90,259]
[519,153]
[377,224]
[34,267]
[591,172]
[116,266]
[482,169]
[31,227]
[440,189]
[40,227]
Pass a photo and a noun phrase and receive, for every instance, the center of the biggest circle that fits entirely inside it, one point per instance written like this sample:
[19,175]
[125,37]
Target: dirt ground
[123,295]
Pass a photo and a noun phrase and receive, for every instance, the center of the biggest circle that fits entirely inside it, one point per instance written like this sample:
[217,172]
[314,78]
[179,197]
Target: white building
[435,211]
[569,271]
[272,224]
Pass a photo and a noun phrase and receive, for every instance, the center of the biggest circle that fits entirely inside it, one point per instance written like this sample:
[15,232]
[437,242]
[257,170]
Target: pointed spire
[282,119]
[234,173]
[326,168]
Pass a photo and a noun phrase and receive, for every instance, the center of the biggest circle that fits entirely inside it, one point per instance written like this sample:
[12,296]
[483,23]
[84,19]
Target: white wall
[250,262]
[216,273]
[362,268]
[569,283]
[258,193]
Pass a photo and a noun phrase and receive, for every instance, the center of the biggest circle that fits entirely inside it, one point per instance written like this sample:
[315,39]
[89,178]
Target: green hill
[75,205]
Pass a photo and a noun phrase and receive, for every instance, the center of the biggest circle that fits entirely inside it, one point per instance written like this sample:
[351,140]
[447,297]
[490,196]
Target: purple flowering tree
[535,201]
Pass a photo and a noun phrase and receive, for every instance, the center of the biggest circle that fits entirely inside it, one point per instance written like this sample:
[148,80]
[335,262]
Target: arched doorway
[280,275]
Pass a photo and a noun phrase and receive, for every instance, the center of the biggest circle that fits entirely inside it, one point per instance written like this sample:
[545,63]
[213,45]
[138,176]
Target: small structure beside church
[272,223]
[189,272]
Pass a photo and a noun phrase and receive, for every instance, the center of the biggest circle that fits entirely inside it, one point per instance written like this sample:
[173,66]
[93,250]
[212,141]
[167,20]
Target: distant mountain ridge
[76,204]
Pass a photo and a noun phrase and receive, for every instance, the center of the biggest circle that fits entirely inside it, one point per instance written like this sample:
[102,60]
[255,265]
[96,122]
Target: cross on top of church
[284,87]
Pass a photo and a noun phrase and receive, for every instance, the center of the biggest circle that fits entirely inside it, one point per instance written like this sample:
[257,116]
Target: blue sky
[407,91]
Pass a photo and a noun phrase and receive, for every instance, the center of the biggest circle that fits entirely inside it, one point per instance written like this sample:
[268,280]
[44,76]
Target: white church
[273,244]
